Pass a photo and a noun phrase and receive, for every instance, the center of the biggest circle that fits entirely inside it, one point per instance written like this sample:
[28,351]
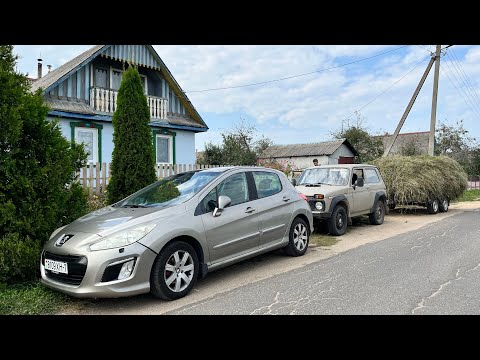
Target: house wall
[184,141]
[343,150]
[304,161]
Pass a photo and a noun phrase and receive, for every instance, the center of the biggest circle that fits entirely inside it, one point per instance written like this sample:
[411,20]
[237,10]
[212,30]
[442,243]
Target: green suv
[336,193]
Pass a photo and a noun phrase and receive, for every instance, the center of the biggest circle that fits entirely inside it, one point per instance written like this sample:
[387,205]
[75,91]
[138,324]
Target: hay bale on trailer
[425,180]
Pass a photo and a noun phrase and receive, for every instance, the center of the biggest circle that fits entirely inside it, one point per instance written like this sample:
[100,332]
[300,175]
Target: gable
[135,54]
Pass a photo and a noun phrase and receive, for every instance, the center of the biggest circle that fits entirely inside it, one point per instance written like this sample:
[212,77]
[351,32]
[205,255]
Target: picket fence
[95,177]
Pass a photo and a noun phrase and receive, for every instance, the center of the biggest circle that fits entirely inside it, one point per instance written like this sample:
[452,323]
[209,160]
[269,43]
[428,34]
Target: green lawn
[470,195]
[29,299]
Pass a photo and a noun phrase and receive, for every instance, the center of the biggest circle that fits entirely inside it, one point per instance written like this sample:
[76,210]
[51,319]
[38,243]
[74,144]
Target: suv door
[373,183]
[235,230]
[360,195]
[274,206]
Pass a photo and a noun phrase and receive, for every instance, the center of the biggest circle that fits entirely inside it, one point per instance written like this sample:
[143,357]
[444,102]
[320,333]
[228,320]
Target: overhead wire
[467,80]
[298,75]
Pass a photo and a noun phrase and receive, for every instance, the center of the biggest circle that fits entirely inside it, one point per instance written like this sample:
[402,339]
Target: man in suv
[336,193]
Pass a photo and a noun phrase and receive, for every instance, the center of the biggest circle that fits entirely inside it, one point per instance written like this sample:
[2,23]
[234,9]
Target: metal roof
[313,149]
[70,106]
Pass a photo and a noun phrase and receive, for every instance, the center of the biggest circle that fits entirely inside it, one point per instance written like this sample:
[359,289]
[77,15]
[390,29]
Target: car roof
[348,166]
[227,168]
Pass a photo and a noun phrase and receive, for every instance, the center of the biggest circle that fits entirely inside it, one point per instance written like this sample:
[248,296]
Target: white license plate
[56,266]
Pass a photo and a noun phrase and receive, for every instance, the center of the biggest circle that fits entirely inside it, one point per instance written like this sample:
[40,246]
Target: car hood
[110,219]
[327,190]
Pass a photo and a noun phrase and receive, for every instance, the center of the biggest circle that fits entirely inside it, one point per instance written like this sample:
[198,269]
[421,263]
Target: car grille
[77,266]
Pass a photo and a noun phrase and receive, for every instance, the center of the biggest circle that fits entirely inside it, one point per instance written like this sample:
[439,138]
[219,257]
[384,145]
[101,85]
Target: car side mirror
[294,182]
[223,202]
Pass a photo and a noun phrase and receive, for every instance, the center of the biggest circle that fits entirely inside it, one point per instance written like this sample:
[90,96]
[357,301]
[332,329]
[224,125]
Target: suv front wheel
[337,224]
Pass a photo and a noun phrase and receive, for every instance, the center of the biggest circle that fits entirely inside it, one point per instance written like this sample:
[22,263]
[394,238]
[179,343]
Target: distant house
[408,141]
[302,155]
[82,94]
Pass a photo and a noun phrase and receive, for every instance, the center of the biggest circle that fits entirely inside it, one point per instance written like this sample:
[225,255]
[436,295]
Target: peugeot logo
[63,239]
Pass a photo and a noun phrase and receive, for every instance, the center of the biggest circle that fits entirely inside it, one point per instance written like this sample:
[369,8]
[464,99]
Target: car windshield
[170,191]
[328,176]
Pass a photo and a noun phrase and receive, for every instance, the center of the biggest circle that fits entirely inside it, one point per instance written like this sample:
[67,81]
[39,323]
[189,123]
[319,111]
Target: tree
[369,147]
[454,141]
[239,147]
[133,160]
[37,164]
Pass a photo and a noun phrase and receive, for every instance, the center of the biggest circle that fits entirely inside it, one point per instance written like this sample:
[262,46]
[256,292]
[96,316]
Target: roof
[70,106]
[64,71]
[312,149]
[418,139]
[348,166]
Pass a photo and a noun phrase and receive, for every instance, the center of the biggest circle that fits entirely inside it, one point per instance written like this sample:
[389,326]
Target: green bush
[19,258]
[420,178]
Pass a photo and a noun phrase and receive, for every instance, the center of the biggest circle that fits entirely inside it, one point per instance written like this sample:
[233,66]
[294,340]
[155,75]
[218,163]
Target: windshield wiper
[315,184]
[134,206]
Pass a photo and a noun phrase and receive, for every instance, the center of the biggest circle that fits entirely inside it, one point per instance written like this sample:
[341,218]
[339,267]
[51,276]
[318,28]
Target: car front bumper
[91,285]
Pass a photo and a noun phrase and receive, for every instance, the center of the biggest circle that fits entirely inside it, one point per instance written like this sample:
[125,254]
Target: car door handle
[285,198]
[250,210]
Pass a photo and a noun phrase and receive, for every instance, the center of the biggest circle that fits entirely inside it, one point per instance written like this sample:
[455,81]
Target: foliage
[454,141]
[470,195]
[239,147]
[29,299]
[283,165]
[38,164]
[96,202]
[369,147]
[19,258]
[420,178]
[133,159]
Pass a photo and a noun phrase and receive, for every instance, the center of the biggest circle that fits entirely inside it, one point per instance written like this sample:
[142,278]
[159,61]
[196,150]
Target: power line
[464,99]
[460,78]
[387,89]
[299,75]
[469,84]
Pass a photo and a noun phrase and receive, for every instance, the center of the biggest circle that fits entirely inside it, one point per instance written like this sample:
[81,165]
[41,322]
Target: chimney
[49,67]
[39,68]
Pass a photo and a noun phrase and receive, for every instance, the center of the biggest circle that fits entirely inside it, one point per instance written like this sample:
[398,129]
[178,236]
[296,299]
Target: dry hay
[419,178]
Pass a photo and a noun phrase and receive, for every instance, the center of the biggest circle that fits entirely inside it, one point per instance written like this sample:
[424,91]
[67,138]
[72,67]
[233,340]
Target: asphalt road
[434,270]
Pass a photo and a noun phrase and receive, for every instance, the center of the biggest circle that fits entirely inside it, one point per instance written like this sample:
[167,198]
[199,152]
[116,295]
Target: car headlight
[123,238]
[319,206]
[57,231]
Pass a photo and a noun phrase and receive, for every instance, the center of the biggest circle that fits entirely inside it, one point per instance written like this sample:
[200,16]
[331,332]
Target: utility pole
[433,118]
[409,106]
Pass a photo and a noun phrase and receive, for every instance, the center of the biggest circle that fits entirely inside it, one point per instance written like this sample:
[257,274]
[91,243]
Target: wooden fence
[95,177]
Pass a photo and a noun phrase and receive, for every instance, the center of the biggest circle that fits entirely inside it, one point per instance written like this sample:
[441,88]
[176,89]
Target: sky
[342,81]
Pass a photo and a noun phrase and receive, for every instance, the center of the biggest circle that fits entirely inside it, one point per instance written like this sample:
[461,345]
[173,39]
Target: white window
[89,137]
[164,145]
[116,79]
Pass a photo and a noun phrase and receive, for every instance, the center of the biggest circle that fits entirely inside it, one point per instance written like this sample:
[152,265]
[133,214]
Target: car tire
[174,272]
[337,223]
[298,238]
[443,205]
[378,215]
[432,206]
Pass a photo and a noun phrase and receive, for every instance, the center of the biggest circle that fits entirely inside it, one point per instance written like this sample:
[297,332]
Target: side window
[356,174]
[267,183]
[371,176]
[235,187]
[210,201]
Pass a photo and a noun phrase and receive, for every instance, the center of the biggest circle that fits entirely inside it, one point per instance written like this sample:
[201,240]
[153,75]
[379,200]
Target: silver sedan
[168,234]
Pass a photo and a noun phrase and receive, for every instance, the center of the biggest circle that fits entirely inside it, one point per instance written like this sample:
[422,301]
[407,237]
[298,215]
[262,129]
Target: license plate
[56,266]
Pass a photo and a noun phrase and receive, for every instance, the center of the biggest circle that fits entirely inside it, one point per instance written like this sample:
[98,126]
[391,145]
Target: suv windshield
[171,190]
[328,176]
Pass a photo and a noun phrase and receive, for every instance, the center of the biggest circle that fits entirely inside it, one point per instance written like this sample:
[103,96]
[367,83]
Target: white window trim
[95,141]
[111,79]
[170,148]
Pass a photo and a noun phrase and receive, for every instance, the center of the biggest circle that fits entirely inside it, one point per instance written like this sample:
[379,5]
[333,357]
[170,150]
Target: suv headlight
[123,238]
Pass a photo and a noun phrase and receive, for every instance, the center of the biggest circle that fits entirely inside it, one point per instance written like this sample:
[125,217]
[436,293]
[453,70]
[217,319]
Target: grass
[29,299]
[317,239]
[470,195]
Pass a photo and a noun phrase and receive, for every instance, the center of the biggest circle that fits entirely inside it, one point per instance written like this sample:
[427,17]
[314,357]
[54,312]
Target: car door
[373,183]
[274,206]
[235,230]
[360,195]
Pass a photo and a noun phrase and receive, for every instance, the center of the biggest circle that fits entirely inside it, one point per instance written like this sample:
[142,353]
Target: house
[301,156]
[413,143]
[82,95]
